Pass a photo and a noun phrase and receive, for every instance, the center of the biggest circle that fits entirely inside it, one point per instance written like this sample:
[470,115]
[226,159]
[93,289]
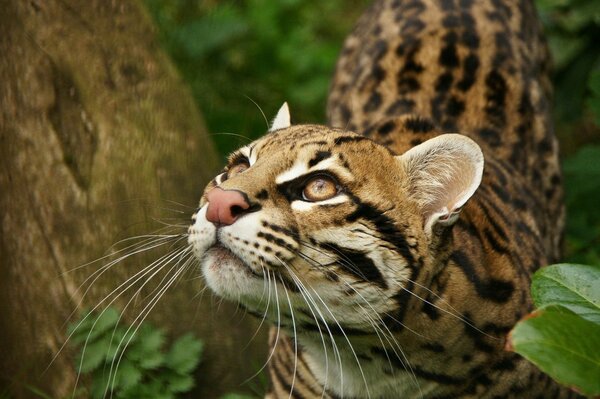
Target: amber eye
[320,188]
[237,169]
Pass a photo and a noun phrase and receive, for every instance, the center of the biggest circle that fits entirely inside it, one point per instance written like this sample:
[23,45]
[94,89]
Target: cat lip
[221,253]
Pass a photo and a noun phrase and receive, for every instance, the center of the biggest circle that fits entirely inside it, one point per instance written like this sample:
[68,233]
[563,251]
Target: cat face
[326,223]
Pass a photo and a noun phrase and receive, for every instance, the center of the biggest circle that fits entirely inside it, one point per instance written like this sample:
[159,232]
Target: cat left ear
[282,119]
[443,173]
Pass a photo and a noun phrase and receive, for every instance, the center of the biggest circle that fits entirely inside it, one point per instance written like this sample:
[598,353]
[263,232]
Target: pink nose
[225,206]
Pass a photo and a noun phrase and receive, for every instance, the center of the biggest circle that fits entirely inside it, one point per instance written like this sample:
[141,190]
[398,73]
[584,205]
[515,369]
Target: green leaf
[180,383]
[146,350]
[100,385]
[184,355]
[152,361]
[94,355]
[563,345]
[576,287]
[92,325]
[127,375]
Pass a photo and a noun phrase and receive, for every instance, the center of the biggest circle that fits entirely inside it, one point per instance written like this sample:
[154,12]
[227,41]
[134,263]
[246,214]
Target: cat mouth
[220,255]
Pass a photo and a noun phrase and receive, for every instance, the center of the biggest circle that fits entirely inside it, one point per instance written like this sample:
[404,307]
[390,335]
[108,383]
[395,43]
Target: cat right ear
[443,173]
[282,119]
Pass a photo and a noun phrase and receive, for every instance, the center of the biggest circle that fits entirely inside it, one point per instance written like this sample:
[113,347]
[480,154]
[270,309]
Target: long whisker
[389,335]
[300,285]
[260,109]
[127,284]
[146,311]
[278,327]
[295,336]
[122,288]
[310,303]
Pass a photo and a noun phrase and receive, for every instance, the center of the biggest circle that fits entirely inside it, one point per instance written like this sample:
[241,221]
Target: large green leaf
[576,287]
[563,345]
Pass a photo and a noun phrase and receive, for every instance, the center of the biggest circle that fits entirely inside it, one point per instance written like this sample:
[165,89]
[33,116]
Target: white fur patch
[304,206]
[282,119]
[295,171]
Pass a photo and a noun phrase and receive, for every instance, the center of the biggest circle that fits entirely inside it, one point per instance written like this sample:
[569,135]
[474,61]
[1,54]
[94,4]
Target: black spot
[411,66]
[449,57]
[491,136]
[386,128]
[262,195]
[430,310]
[346,114]
[408,85]
[419,125]
[373,103]
[505,364]
[434,347]
[378,73]
[470,39]
[412,27]
[455,107]
[319,156]
[471,64]
[450,21]
[496,97]
[440,378]
[443,82]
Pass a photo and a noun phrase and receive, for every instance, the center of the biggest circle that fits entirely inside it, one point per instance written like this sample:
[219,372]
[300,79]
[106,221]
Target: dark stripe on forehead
[319,156]
[349,139]
[357,263]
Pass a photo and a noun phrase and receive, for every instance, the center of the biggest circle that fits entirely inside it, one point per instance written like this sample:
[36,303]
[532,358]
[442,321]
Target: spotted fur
[405,283]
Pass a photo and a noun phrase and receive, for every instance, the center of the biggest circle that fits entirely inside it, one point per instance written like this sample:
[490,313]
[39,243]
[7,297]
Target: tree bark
[96,128]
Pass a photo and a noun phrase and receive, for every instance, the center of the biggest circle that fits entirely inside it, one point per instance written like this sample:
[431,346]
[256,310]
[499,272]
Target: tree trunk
[96,129]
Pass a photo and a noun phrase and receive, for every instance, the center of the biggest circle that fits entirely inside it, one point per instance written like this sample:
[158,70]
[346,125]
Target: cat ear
[282,119]
[443,174]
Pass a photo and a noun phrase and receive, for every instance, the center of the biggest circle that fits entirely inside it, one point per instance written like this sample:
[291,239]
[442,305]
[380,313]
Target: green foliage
[582,188]
[130,363]
[238,396]
[572,28]
[270,51]
[563,336]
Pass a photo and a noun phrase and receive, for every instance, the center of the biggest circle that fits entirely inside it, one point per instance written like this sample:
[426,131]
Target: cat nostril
[237,210]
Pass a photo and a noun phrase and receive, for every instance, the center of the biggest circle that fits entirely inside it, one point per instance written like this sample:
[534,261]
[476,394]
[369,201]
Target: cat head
[327,218]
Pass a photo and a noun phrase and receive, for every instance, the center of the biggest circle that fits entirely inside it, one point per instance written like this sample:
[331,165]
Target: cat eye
[237,169]
[320,188]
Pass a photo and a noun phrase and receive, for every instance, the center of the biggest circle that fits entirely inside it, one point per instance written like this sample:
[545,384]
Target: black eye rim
[319,174]
[229,168]
[235,161]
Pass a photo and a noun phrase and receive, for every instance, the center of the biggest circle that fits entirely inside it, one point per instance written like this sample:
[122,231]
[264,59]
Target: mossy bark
[96,130]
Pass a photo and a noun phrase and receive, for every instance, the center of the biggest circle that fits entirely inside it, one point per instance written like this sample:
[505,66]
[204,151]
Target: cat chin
[228,276]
